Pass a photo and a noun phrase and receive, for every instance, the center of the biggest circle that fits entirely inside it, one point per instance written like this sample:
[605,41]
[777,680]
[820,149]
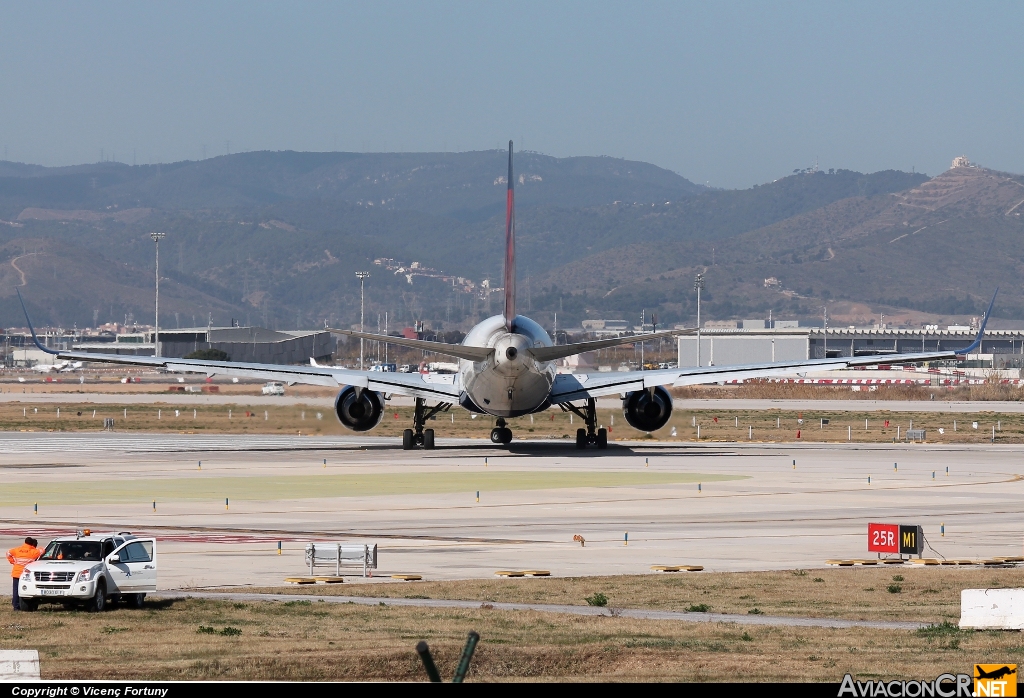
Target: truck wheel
[99,601]
[137,600]
[27,604]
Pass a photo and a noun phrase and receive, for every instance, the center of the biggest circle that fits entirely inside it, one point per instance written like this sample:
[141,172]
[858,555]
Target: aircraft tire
[407,440]
[581,438]
[428,438]
[506,436]
[496,435]
[602,438]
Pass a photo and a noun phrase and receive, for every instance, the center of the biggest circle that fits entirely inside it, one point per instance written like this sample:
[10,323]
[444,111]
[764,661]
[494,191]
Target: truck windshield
[72,550]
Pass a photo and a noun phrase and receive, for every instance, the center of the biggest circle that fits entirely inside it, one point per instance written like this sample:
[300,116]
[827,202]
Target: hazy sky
[727,93]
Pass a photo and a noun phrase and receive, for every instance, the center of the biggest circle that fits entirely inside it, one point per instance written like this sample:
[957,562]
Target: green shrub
[597,599]
[699,608]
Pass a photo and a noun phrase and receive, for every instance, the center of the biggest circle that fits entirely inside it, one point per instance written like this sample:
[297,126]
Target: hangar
[733,347]
[251,344]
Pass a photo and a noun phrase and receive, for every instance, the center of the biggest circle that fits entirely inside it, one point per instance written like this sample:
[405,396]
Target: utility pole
[824,315]
[643,321]
[157,237]
[698,286]
[362,277]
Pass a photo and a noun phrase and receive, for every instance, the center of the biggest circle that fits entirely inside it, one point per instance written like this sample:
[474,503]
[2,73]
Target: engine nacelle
[359,410]
[646,411]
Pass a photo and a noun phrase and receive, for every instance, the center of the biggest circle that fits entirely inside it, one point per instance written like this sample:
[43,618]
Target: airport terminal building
[734,346]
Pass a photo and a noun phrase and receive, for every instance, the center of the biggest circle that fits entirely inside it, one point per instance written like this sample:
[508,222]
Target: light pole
[362,277]
[824,315]
[698,286]
[157,237]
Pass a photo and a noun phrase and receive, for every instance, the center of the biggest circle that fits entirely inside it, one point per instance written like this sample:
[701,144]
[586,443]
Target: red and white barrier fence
[877,381]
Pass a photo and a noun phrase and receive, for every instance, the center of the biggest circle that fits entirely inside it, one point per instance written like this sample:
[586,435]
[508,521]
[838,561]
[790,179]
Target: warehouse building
[734,347]
[249,344]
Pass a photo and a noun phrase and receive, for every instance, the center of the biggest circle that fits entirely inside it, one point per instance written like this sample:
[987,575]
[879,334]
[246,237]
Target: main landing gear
[418,435]
[590,435]
[501,434]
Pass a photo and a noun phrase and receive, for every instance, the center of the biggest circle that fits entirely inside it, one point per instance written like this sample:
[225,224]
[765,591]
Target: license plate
[52,592]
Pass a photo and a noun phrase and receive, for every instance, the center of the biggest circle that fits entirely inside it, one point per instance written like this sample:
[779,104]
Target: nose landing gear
[418,435]
[501,434]
[590,435]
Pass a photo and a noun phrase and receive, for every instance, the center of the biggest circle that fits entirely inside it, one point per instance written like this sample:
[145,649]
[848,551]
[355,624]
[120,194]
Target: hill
[466,186]
[939,248]
[276,238]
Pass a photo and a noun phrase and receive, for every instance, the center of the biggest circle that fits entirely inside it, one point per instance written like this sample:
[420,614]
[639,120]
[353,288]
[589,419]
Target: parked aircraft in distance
[506,369]
[62,367]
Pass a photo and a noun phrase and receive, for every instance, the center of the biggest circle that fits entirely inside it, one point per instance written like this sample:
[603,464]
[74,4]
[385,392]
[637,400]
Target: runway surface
[723,506]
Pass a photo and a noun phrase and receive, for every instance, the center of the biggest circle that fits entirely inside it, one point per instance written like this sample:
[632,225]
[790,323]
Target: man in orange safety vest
[19,557]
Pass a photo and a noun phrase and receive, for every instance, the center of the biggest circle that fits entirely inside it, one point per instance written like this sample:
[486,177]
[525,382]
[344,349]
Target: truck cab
[92,569]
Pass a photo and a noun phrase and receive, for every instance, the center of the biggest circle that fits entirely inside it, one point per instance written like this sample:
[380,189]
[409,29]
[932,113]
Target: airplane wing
[569,387]
[432,387]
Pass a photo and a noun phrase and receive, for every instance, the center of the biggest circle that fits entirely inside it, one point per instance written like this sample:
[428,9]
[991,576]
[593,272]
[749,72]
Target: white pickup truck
[91,568]
[273,389]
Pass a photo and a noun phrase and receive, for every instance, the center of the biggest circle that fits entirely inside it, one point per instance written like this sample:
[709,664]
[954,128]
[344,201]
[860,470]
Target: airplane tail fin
[981,330]
[510,248]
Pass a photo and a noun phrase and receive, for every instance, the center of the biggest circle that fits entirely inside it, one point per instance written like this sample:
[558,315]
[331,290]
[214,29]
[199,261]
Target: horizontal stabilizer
[563,350]
[459,351]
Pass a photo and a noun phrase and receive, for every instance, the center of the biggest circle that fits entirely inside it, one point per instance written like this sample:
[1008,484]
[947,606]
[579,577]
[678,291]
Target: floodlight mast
[157,237]
[698,286]
[362,277]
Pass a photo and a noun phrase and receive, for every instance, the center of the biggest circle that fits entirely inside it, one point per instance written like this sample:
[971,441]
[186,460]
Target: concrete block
[992,609]
[19,665]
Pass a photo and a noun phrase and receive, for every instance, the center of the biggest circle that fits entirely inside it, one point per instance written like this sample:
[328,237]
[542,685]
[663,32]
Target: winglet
[30,328]
[981,332]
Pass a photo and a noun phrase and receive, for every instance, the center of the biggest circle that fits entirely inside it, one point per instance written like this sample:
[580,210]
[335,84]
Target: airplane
[995,674]
[506,369]
[62,367]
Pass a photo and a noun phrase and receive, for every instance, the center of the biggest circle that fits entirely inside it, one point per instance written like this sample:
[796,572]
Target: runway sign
[883,538]
[895,538]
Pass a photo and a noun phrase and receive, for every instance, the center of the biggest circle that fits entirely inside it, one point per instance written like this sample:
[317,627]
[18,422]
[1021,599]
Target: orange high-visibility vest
[21,556]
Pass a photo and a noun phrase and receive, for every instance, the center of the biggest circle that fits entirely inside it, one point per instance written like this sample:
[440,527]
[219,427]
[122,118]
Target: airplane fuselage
[510,383]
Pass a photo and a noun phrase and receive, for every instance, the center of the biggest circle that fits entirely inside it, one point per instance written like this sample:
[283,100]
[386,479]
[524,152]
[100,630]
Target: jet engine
[359,410]
[647,410]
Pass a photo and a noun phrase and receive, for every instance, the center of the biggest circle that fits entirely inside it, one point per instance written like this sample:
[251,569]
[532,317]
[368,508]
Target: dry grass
[716,424]
[323,641]
[319,641]
[927,595]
